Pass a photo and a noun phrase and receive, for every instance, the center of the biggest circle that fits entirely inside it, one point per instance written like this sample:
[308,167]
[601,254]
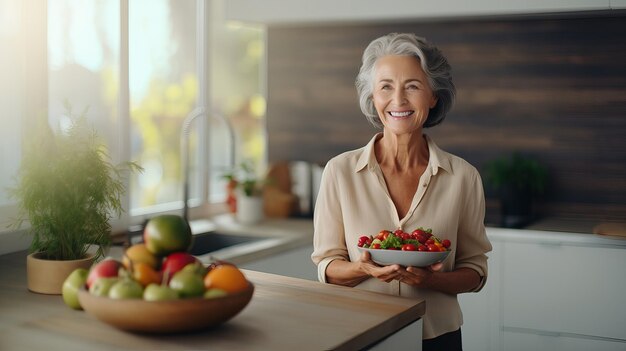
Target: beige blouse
[353,200]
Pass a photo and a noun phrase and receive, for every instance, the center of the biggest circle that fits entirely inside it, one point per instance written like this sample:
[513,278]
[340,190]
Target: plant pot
[47,276]
[516,206]
[249,209]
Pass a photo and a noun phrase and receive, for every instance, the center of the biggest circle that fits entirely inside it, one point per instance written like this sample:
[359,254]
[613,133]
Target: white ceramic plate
[406,258]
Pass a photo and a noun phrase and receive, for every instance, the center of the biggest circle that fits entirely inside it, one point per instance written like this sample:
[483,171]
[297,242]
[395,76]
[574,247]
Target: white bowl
[405,258]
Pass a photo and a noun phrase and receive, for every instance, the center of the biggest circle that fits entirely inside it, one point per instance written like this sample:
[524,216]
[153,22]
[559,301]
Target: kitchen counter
[554,238]
[277,235]
[284,314]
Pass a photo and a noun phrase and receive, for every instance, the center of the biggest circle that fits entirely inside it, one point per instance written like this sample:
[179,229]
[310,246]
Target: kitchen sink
[204,243]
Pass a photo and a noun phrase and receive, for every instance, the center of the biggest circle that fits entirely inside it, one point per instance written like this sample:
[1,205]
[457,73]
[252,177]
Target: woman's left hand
[419,276]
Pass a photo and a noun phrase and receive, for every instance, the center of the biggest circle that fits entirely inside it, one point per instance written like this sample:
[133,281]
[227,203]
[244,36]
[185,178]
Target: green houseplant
[67,190]
[518,180]
[244,179]
[247,189]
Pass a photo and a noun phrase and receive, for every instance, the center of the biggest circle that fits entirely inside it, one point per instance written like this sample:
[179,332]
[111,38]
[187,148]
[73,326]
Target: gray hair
[434,64]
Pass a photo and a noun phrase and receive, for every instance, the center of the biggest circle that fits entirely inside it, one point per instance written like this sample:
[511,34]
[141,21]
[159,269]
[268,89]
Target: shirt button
[425,185]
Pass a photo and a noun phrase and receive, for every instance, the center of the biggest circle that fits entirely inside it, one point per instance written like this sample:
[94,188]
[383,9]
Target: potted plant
[249,191]
[67,190]
[517,179]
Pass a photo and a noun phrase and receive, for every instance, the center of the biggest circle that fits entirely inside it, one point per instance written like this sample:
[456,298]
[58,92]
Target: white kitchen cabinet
[549,291]
[617,4]
[482,308]
[560,288]
[301,11]
[537,341]
[294,263]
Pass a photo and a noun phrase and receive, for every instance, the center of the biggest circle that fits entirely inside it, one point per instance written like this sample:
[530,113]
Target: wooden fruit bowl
[175,316]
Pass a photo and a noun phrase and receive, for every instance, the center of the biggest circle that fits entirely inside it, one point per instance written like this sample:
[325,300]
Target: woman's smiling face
[402,95]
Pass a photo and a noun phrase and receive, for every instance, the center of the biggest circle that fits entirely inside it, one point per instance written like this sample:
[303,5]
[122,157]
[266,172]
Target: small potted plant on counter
[249,193]
[518,180]
[67,191]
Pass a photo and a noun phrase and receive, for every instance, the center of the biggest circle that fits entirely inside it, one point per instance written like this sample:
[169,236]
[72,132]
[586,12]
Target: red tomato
[386,234]
[375,246]
[422,248]
[417,232]
[364,240]
[446,243]
[409,247]
[382,235]
[406,236]
[433,248]
[430,242]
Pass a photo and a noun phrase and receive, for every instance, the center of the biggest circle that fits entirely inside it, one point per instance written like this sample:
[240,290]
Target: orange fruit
[145,275]
[226,277]
[139,253]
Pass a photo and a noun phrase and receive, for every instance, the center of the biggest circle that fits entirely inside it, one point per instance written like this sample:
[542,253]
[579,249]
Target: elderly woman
[402,180]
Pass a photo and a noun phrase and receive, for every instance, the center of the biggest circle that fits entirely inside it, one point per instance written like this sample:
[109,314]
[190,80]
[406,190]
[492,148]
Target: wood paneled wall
[553,88]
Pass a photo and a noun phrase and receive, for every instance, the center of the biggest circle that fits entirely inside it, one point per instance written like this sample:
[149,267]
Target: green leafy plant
[68,190]
[518,171]
[246,178]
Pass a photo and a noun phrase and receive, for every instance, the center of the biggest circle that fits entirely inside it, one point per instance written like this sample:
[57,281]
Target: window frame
[34,52]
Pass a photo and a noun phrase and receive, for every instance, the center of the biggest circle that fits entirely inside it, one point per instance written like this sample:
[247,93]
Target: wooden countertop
[284,314]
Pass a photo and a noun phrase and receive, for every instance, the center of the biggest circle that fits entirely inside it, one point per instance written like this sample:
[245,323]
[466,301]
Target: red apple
[175,262]
[106,268]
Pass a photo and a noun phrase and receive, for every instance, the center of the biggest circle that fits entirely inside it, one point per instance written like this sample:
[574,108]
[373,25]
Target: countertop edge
[415,310]
[554,238]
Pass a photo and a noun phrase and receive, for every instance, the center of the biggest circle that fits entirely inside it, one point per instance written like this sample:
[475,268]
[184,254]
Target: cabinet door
[294,263]
[521,341]
[564,289]
[481,310]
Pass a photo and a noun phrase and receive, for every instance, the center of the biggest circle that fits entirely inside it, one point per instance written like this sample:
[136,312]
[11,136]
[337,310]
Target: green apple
[196,267]
[187,284]
[214,293]
[165,234]
[176,261]
[126,289]
[156,292]
[71,285]
[101,286]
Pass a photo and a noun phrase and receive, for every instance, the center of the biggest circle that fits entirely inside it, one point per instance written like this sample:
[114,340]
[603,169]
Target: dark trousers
[447,342]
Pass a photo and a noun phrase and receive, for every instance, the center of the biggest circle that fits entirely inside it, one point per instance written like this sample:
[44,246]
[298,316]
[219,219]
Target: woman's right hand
[384,273]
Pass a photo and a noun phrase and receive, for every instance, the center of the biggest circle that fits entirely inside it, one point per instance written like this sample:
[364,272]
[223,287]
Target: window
[180,56]
[84,66]
[10,95]
[163,91]
[237,86]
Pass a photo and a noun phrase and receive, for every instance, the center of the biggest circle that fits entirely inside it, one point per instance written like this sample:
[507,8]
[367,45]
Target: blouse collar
[438,158]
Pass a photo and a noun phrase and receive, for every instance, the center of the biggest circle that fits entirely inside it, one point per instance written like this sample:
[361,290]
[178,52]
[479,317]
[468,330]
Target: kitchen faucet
[184,144]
